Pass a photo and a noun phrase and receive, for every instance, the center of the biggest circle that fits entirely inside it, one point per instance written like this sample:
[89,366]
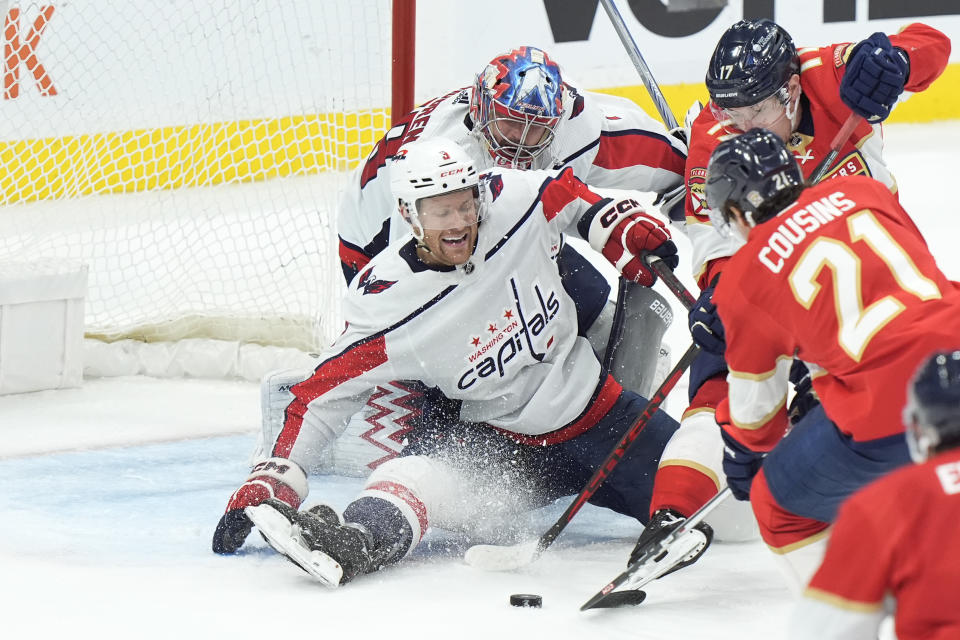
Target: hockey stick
[838,141]
[507,558]
[634,53]
[673,283]
[655,560]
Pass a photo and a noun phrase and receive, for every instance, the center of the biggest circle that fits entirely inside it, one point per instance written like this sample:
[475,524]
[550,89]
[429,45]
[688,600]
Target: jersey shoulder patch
[696,185]
[370,284]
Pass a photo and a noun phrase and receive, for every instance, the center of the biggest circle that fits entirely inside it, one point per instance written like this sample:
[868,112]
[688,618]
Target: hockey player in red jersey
[757,78]
[891,546]
[471,304]
[837,275]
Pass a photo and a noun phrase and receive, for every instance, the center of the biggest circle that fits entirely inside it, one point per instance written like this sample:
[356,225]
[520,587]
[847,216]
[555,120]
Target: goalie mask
[932,413]
[516,104]
[754,172]
[436,167]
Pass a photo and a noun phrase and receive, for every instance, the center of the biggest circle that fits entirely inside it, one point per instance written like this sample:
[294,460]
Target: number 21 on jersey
[858,324]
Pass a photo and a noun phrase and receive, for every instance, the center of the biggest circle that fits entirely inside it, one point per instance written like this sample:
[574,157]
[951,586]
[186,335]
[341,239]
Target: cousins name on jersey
[794,227]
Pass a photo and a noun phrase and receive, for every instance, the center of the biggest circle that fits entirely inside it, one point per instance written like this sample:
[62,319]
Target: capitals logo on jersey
[493,183]
[370,284]
[503,339]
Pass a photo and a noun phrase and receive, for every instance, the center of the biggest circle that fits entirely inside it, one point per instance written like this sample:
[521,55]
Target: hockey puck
[526,600]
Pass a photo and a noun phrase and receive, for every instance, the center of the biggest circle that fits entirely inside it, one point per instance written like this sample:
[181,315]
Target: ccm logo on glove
[626,234]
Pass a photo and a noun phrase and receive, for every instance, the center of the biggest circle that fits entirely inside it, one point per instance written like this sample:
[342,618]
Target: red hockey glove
[626,234]
[274,478]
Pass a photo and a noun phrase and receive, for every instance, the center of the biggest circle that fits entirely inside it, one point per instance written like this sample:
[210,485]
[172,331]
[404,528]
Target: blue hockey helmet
[753,60]
[932,412]
[756,173]
[516,104]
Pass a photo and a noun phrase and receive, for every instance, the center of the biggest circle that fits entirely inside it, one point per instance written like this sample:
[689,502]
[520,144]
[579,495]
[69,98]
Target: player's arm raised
[612,221]
[879,68]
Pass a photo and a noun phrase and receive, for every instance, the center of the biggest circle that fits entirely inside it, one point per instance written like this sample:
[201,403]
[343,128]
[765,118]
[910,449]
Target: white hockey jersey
[498,333]
[608,142]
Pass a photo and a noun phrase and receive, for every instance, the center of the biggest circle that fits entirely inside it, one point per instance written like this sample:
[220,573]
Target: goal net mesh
[190,152]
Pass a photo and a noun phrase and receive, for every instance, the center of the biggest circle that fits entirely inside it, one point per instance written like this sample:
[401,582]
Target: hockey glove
[740,465]
[626,235]
[804,398]
[671,203]
[274,478]
[705,325]
[875,76]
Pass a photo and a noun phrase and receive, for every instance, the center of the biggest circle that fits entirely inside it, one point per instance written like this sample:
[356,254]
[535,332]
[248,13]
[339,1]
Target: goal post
[191,152]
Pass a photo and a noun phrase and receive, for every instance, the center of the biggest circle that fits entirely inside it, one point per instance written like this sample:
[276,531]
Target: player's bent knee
[421,475]
[697,441]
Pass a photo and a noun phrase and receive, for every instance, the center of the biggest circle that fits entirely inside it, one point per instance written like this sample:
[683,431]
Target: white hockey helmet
[428,168]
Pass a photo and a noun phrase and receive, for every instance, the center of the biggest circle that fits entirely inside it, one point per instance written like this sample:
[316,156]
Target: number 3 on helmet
[428,168]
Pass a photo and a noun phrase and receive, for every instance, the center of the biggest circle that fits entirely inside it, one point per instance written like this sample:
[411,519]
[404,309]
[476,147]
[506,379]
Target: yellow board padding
[248,150]
[182,156]
[940,102]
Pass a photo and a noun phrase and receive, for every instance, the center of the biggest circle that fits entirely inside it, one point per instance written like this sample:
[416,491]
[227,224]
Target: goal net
[190,152]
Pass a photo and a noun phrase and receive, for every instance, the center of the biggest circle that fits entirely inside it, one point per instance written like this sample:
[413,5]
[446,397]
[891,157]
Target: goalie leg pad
[635,340]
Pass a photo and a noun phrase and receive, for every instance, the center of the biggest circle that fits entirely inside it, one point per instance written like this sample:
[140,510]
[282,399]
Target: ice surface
[110,494]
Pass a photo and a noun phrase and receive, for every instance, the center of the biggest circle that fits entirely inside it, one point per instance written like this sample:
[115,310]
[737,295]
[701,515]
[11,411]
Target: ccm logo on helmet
[452,172]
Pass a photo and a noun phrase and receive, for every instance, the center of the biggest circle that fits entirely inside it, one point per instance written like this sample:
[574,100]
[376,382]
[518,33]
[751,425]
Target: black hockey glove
[705,325]
[875,76]
[274,478]
[804,398]
[740,465]
[671,203]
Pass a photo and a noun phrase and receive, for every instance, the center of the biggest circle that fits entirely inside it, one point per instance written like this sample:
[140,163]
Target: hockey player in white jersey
[471,303]
[520,113]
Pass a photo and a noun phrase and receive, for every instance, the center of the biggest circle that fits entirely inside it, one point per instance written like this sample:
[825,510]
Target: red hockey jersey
[843,280]
[895,538]
[821,70]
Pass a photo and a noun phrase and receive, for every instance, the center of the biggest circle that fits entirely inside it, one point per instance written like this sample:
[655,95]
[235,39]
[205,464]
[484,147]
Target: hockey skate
[279,526]
[673,543]
[664,522]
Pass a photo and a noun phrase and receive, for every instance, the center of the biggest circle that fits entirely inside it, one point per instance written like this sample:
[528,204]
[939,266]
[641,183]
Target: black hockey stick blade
[615,599]
[659,558]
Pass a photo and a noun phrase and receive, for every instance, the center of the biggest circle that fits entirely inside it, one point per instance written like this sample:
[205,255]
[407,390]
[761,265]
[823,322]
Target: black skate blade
[614,599]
